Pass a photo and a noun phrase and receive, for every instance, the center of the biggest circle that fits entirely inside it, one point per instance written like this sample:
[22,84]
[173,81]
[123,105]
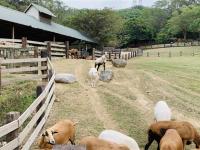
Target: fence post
[93,53]
[11,116]
[67,49]
[181,53]
[115,55]
[158,54]
[109,55]
[0,76]
[44,54]
[120,53]
[39,90]
[126,57]
[24,42]
[49,50]
[35,52]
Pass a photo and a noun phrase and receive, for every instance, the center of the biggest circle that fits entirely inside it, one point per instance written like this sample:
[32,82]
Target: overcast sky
[99,4]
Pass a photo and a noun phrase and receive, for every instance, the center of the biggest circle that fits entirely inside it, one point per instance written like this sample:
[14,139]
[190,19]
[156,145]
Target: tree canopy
[167,19]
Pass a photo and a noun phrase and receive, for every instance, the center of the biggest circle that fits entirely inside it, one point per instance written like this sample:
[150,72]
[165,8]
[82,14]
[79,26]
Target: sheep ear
[162,131]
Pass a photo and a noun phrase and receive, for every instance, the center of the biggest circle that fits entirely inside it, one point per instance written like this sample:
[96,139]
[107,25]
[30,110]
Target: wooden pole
[39,90]
[0,77]
[13,31]
[67,49]
[93,53]
[24,42]
[54,38]
[49,50]
[11,116]
[44,54]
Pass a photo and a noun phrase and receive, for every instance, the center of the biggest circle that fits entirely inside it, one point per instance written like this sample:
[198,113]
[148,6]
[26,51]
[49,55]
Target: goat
[119,138]
[94,76]
[186,131]
[93,143]
[171,140]
[60,133]
[100,61]
[162,112]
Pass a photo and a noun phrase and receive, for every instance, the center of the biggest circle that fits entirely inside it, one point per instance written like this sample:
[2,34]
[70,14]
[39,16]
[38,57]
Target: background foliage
[166,21]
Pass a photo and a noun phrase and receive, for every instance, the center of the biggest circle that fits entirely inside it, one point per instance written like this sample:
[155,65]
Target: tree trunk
[185,35]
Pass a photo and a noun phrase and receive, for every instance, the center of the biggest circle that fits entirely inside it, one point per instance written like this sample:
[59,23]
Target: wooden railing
[29,124]
[119,53]
[9,48]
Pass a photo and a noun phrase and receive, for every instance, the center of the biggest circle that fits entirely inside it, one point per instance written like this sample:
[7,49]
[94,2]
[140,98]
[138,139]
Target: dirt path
[94,98]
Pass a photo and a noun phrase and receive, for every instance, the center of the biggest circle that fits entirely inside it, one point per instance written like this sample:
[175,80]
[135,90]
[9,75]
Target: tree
[181,20]
[102,25]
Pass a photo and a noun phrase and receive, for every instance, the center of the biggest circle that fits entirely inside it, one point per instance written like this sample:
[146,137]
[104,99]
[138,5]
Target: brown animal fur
[93,143]
[171,141]
[73,53]
[186,131]
[62,132]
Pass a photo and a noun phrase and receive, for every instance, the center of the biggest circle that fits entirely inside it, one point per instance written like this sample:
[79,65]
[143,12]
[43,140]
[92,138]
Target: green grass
[128,119]
[16,97]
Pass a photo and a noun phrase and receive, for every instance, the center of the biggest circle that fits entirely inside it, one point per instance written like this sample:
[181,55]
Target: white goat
[94,76]
[162,112]
[119,138]
[100,61]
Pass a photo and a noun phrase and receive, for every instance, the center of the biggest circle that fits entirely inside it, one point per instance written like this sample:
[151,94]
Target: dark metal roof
[40,9]
[22,18]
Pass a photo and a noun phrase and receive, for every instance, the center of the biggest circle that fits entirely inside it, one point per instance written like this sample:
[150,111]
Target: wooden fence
[119,53]
[29,124]
[175,44]
[16,48]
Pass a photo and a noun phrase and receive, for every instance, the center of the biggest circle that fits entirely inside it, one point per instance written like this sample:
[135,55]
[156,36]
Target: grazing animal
[171,140]
[94,76]
[93,143]
[162,112]
[60,133]
[186,131]
[73,53]
[100,61]
[119,138]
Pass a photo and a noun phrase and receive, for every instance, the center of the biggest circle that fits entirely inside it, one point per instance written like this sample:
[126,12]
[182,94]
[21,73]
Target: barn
[36,23]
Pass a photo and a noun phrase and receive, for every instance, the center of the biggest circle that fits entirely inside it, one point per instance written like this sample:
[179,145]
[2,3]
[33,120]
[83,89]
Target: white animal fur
[119,138]
[162,112]
[94,76]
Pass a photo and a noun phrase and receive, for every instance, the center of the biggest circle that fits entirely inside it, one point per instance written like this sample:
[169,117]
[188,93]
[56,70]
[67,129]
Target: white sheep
[119,138]
[100,61]
[162,112]
[94,76]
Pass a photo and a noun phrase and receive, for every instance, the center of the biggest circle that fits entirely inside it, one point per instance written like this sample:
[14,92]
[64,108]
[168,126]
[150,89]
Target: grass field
[126,103]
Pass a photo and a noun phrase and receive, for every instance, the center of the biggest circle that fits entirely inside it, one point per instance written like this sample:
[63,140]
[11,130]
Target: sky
[99,4]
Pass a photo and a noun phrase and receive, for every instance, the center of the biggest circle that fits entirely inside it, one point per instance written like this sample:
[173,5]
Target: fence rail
[27,132]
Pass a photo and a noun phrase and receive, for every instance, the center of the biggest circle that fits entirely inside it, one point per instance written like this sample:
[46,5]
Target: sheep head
[48,136]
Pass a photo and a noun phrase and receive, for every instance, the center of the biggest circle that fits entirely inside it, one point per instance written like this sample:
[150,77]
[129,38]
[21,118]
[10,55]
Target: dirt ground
[126,103]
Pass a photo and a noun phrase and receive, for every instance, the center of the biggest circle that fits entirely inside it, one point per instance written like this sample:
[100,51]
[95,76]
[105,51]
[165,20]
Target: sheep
[100,61]
[74,53]
[171,140]
[186,131]
[162,112]
[60,133]
[119,138]
[94,76]
[94,143]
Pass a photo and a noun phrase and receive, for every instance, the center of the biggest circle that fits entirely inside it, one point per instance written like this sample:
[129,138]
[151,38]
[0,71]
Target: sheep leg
[98,67]
[150,140]
[104,66]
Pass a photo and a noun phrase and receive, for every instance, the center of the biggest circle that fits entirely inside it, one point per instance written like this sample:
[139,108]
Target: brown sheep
[60,133]
[93,143]
[186,131]
[171,140]
[73,53]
